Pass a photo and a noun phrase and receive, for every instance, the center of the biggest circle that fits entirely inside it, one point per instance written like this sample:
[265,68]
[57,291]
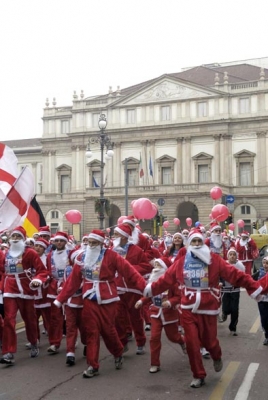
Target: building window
[132,175]
[166,175]
[244,105]
[40,188]
[95,120]
[131,116]
[54,214]
[96,178]
[54,228]
[202,109]
[245,209]
[203,173]
[65,184]
[165,113]
[65,127]
[245,174]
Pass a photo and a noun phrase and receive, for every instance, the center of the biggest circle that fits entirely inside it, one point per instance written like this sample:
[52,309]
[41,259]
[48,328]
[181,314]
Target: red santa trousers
[248,267]
[200,331]
[1,329]
[55,325]
[43,312]
[99,319]
[74,322]
[172,333]
[127,305]
[27,311]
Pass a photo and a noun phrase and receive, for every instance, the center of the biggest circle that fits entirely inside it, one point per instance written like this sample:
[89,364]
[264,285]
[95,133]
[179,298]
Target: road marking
[244,389]
[225,380]
[255,327]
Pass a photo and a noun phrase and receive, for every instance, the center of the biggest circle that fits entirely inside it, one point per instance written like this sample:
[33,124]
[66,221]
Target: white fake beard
[92,255]
[216,240]
[185,238]
[70,246]
[84,246]
[243,242]
[155,274]
[116,242]
[16,248]
[201,252]
[134,238]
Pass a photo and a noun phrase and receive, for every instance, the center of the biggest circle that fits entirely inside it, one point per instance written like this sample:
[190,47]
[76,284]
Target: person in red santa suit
[2,314]
[57,262]
[215,242]
[176,249]
[164,314]
[129,294]
[23,272]
[96,269]
[198,275]
[45,233]
[247,251]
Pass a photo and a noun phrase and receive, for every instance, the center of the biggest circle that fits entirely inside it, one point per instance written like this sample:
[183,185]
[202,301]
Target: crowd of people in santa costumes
[96,269]
[22,273]
[198,274]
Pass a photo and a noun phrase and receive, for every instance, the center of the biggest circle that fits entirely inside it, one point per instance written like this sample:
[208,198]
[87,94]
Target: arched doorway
[187,209]
[114,215]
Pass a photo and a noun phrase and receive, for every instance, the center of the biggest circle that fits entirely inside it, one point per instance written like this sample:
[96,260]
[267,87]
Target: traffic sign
[230,199]
[161,201]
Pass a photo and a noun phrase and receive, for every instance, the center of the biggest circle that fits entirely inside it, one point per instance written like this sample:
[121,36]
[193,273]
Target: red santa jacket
[18,272]
[57,270]
[246,253]
[136,257]
[167,315]
[204,301]
[104,288]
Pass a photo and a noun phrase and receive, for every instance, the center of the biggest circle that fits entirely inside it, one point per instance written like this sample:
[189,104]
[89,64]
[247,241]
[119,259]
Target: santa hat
[146,235]
[44,230]
[97,234]
[195,233]
[61,236]
[20,230]
[131,220]
[42,242]
[185,232]
[29,241]
[231,249]
[84,237]
[214,226]
[124,230]
[164,262]
[245,233]
[178,234]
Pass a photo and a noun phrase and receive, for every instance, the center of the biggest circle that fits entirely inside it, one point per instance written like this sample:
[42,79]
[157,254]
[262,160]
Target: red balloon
[241,223]
[121,219]
[220,212]
[216,193]
[231,227]
[189,222]
[176,221]
[144,209]
[73,216]
[165,224]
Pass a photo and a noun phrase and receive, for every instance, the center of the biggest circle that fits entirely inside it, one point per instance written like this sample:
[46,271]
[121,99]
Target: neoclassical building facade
[187,131]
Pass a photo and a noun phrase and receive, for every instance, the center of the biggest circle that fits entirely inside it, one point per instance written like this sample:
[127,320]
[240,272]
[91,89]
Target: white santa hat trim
[130,222]
[40,243]
[161,262]
[60,237]
[43,233]
[215,227]
[97,237]
[193,236]
[178,234]
[122,232]
[231,249]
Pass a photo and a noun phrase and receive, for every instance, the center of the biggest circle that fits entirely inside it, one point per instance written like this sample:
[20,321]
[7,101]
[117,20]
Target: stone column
[227,156]
[217,158]
[187,160]
[179,160]
[262,156]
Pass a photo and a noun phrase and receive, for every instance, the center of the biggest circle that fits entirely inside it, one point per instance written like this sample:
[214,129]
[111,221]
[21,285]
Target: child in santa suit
[163,313]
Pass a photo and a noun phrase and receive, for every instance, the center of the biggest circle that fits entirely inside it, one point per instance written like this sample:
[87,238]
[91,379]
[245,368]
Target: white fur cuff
[256,293]
[57,303]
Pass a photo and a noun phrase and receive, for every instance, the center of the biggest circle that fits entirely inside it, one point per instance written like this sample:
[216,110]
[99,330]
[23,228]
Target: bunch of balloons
[144,209]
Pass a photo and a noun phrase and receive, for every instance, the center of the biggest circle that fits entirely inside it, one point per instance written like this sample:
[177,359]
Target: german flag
[34,218]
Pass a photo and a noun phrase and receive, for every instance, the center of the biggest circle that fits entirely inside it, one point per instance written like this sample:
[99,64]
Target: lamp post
[105,141]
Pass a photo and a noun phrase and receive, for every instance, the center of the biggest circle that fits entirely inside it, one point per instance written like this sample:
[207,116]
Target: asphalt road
[243,377]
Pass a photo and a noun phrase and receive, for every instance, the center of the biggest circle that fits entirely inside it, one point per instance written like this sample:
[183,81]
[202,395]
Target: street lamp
[105,141]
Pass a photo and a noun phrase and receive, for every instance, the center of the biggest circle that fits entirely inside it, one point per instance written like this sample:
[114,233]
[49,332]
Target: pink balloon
[231,227]
[165,224]
[121,219]
[189,222]
[144,209]
[241,223]
[216,193]
[108,230]
[210,216]
[220,212]
[73,216]
[176,221]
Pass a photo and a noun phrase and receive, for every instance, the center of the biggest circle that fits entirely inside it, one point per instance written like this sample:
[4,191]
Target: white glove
[138,304]
[166,304]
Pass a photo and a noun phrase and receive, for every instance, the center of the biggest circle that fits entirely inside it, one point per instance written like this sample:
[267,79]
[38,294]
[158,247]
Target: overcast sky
[49,48]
